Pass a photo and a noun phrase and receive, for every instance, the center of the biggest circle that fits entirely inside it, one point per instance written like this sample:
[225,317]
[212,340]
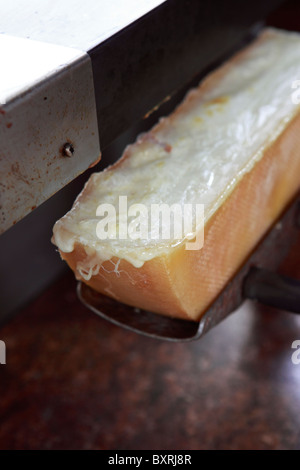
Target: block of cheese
[232,146]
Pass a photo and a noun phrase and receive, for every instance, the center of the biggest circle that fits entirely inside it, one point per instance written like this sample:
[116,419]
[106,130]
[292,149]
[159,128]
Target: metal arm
[272,289]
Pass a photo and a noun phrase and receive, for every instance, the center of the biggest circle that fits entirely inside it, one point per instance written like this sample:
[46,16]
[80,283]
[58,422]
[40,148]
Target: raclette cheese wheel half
[231,147]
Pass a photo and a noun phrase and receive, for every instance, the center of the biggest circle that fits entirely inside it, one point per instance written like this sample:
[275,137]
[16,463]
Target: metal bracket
[48,106]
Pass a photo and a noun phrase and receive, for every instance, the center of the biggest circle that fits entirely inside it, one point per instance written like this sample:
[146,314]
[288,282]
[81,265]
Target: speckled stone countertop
[74,381]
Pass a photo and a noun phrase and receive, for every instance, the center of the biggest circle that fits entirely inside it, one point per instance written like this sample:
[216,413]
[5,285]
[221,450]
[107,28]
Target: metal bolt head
[68,150]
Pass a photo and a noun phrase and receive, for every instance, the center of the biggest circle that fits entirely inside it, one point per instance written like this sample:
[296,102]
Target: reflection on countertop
[74,381]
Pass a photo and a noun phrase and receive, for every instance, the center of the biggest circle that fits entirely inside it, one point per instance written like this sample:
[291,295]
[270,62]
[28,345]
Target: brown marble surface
[74,381]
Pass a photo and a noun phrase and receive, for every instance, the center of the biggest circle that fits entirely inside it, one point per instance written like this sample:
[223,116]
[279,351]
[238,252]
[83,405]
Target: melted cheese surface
[195,156]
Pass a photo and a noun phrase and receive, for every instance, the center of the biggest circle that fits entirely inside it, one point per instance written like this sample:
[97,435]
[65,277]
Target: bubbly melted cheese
[195,156]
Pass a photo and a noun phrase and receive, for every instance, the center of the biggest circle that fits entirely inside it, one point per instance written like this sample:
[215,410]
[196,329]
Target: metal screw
[68,150]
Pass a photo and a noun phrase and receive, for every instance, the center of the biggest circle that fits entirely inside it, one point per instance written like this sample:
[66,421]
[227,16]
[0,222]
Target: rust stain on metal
[96,161]
[15,169]
[52,161]
[8,125]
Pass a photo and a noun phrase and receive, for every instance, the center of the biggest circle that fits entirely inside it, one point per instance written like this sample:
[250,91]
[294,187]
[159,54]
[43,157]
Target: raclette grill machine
[83,78]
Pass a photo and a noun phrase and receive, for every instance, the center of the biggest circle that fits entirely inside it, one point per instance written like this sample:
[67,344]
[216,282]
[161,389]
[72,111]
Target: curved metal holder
[255,280]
